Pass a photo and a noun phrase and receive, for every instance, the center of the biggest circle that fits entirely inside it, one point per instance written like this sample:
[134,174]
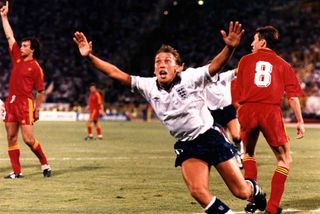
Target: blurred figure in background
[95,105]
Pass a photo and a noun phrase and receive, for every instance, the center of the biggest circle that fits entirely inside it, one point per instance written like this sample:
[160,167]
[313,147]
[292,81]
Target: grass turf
[132,171]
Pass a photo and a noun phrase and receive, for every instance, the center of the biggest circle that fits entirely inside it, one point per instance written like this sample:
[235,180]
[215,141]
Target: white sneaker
[13,175]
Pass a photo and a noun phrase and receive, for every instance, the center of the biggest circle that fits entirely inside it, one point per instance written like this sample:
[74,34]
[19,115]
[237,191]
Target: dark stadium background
[128,33]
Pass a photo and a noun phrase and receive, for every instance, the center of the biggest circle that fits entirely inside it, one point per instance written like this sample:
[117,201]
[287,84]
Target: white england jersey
[219,93]
[183,109]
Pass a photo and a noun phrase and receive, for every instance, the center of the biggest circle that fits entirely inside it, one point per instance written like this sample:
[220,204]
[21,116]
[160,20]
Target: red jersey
[234,91]
[264,77]
[25,75]
[95,101]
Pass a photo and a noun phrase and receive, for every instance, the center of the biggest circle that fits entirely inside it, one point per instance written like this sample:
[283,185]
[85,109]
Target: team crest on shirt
[182,92]
[29,69]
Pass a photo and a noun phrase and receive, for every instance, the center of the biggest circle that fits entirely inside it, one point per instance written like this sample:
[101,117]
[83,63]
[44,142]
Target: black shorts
[225,115]
[211,147]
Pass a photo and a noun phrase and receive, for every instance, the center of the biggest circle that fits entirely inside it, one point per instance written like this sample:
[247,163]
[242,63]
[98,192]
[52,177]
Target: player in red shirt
[95,107]
[21,112]
[263,78]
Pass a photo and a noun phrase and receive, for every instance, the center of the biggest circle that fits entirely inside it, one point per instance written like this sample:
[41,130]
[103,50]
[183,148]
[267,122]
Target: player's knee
[242,193]
[12,138]
[198,192]
[289,161]
[29,140]
[286,162]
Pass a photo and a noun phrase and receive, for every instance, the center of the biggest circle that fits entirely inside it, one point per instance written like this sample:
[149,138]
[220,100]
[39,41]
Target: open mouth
[163,74]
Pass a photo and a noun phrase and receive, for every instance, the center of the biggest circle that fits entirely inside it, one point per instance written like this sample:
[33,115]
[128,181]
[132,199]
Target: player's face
[92,88]
[257,43]
[25,49]
[165,68]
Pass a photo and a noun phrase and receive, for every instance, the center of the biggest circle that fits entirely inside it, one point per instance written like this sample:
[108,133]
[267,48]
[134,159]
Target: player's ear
[264,43]
[181,67]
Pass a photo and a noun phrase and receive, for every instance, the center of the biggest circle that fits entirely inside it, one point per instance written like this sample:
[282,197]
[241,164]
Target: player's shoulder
[36,65]
[247,57]
[283,61]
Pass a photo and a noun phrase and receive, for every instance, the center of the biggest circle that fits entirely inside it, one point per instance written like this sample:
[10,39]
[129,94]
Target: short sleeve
[200,76]
[292,85]
[142,85]
[15,52]
[38,77]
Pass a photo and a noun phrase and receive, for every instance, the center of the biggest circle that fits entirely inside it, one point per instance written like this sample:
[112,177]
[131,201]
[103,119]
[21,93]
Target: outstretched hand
[85,47]
[234,36]
[4,9]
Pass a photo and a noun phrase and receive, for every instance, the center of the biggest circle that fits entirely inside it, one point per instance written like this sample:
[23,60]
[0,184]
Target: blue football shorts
[225,115]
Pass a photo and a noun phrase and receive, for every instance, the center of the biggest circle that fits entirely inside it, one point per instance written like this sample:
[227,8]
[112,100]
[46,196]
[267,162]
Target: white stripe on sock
[211,202]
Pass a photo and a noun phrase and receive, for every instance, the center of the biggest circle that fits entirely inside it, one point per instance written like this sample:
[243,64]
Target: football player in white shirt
[219,102]
[178,99]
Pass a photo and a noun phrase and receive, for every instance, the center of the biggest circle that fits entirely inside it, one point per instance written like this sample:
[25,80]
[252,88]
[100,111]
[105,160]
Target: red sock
[14,155]
[277,188]
[98,131]
[37,150]
[250,167]
[89,128]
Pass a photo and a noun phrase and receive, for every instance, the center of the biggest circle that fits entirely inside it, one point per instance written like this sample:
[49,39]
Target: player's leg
[195,173]
[278,141]
[249,160]
[28,138]
[233,127]
[250,164]
[89,127]
[232,176]
[249,133]
[279,177]
[12,129]
[246,189]
[98,129]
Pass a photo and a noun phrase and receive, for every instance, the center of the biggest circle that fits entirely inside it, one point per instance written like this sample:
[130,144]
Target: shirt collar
[174,82]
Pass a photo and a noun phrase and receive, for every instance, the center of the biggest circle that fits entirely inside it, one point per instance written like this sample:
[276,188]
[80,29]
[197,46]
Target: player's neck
[28,58]
[265,48]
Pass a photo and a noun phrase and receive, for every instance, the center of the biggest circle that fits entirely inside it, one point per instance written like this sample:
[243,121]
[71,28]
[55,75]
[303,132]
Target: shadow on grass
[71,170]
[303,204]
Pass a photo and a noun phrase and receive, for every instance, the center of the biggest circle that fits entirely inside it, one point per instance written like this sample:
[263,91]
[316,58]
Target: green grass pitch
[132,171]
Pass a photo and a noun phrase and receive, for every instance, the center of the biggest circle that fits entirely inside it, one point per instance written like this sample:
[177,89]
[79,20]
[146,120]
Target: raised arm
[6,25]
[232,40]
[295,106]
[85,49]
